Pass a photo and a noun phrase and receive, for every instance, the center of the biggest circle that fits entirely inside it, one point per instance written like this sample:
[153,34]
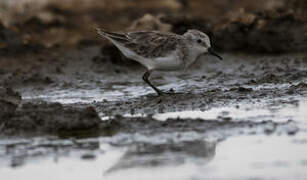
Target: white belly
[170,62]
[167,63]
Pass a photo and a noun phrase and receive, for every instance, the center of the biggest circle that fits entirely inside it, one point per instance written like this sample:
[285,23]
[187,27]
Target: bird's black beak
[211,51]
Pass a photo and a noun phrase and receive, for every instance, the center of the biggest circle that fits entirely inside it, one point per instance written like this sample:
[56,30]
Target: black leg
[145,78]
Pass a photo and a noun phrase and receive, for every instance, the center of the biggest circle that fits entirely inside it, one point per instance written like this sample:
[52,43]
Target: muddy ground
[66,93]
[91,87]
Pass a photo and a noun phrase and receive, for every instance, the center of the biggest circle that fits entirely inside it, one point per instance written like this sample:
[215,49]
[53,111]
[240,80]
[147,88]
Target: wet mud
[51,118]
[76,89]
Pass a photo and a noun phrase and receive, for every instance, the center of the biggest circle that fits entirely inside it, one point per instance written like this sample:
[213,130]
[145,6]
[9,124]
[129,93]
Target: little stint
[160,51]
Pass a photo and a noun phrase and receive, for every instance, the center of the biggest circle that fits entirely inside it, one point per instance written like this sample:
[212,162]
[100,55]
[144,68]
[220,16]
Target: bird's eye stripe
[199,41]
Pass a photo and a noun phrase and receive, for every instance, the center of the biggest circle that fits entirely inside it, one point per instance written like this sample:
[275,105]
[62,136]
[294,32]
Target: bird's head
[200,42]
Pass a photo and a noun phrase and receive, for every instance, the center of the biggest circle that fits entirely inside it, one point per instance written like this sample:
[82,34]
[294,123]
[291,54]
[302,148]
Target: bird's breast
[171,62]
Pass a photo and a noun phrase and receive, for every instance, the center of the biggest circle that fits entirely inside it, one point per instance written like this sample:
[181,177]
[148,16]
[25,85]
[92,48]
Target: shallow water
[247,157]
[164,156]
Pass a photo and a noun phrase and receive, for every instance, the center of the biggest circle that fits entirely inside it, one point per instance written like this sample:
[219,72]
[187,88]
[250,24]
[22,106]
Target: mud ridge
[149,125]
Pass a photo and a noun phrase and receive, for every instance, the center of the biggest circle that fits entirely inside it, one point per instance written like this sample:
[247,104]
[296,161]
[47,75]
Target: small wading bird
[160,51]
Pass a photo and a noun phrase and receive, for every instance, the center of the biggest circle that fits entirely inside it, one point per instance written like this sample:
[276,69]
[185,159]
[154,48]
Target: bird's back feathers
[148,44]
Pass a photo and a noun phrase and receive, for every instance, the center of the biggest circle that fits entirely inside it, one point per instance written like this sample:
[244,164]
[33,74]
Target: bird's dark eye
[199,41]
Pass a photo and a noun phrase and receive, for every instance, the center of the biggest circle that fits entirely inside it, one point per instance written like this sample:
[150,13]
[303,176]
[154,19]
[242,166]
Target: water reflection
[176,154]
[147,155]
[15,154]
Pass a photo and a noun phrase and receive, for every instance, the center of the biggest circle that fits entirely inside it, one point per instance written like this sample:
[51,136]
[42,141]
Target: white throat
[193,54]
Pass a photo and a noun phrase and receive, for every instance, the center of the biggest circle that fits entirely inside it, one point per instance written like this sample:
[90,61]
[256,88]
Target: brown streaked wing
[119,37]
[152,44]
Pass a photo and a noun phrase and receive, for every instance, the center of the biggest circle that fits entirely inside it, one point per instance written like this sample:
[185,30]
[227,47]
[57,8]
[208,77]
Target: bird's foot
[169,92]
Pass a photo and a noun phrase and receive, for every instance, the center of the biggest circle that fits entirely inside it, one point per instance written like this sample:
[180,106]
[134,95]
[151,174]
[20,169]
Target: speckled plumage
[148,44]
[160,50]
[152,44]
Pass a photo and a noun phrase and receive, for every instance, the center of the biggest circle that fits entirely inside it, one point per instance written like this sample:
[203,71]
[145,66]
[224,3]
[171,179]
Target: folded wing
[149,44]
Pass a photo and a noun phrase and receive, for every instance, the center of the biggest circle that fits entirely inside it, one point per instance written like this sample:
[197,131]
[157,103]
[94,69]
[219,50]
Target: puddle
[245,112]
[250,157]
[69,164]
[183,156]
[241,157]
[71,96]
[263,157]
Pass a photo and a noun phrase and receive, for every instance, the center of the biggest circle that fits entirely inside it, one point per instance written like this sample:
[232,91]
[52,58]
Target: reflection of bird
[142,155]
[161,51]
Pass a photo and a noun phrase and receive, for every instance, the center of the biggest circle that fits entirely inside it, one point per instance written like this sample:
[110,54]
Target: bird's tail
[112,35]
[101,32]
